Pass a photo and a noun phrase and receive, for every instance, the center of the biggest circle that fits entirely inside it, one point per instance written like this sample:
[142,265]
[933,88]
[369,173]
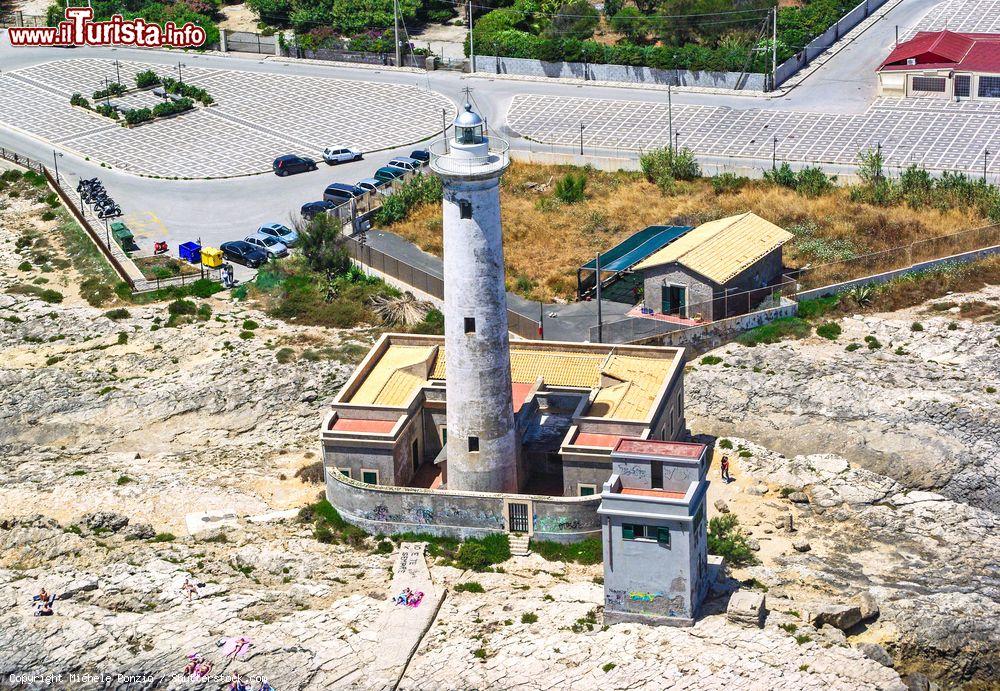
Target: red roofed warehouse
[943,64]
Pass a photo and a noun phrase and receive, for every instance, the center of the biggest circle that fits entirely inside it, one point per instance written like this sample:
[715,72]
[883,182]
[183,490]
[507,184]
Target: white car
[273,247]
[334,156]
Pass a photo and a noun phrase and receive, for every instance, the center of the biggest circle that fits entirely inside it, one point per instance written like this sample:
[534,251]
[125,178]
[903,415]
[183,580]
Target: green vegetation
[779,329]
[479,554]
[469,587]
[830,330]
[711,360]
[44,294]
[608,666]
[123,480]
[118,313]
[851,347]
[664,167]
[811,181]
[725,444]
[188,91]
[138,115]
[420,189]
[163,537]
[202,13]
[79,100]
[728,540]
[571,188]
[113,89]
[146,79]
[589,551]
[529,618]
[329,527]
[161,110]
[873,343]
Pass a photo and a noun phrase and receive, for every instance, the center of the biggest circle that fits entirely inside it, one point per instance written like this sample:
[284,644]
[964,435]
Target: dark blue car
[311,209]
[243,253]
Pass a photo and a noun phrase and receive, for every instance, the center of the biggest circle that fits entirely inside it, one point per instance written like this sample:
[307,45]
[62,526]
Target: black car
[290,164]
[338,193]
[311,209]
[422,155]
[243,253]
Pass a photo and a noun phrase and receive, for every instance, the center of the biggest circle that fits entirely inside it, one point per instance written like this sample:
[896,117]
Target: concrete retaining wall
[490,64]
[388,510]
[698,339]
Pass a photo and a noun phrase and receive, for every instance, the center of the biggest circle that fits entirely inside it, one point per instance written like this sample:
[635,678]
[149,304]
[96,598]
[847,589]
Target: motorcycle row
[92,192]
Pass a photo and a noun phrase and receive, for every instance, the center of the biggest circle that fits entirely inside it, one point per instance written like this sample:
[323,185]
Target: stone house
[653,528]
[720,269]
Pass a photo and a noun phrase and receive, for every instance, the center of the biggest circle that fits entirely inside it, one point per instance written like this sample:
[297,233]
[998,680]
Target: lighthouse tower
[482,445]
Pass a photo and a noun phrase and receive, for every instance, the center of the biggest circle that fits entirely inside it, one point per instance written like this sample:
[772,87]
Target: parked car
[385,173]
[405,163]
[289,164]
[338,193]
[375,185]
[243,253]
[281,233]
[310,209]
[334,156]
[265,243]
[422,155]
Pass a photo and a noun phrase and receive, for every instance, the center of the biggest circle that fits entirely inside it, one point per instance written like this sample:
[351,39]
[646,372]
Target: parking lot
[257,116]
[978,16]
[931,134]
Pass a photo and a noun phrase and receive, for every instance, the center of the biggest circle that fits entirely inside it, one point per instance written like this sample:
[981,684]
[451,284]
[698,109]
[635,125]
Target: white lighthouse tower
[482,446]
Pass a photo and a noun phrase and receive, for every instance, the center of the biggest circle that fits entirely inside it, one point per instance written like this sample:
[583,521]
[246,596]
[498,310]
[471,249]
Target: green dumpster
[122,235]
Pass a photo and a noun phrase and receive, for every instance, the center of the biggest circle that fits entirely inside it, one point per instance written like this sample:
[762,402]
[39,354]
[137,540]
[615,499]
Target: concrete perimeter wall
[386,510]
[490,64]
[698,339]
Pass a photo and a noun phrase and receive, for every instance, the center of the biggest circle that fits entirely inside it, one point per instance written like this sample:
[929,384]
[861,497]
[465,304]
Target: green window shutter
[586,491]
[628,531]
[663,536]
[370,478]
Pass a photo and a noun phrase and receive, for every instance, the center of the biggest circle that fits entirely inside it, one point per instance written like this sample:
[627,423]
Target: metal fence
[249,42]
[421,280]
[826,39]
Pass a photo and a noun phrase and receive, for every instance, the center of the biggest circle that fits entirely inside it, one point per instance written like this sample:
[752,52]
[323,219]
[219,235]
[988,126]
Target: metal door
[518,517]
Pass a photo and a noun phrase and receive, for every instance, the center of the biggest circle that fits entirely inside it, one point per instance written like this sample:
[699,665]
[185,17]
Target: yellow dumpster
[211,257]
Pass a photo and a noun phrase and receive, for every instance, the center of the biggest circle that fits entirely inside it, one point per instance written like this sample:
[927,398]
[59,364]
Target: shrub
[608,666]
[726,539]
[469,587]
[25,266]
[813,309]
[383,547]
[472,556]
[420,189]
[786,327]
[113,89]
[250,325]
[851,347]
[311,473]
[107,111]
[916,326]
[48,215]
[146,79]
[122,338]
[123,480]
[570,188]
[182,307]
[830,330]
[79,100]
[163,537]
[711,360]
[284,356]
[725,444]
[728,183]
[246,335]
[873,343]
[529,618]
[137,115]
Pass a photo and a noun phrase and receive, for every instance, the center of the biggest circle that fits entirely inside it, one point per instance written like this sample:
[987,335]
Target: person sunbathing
[203,669]
[189,589]
[43,596]
[192,665]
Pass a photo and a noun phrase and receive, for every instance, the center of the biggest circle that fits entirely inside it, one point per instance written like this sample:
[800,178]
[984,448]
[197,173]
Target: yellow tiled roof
[392,380]
[721,249]
[640,377]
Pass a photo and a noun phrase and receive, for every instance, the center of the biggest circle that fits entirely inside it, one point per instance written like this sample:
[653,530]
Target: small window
[473,443]
[587,490]
[989,87]
[663,536]
[929,84]
[470,325]
[444,435]
[345,471]
[656,475]
[369,476]
[628,531]
[464,208]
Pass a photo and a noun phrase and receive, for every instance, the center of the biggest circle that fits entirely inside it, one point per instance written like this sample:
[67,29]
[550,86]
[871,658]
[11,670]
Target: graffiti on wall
[639,596]
[633,471]
[555,524]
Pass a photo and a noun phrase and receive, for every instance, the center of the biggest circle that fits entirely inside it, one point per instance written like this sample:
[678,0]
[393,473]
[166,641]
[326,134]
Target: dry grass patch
[545,241]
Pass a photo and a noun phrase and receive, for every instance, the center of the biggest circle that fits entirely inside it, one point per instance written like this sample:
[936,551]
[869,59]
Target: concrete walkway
[400,628]
[562,322]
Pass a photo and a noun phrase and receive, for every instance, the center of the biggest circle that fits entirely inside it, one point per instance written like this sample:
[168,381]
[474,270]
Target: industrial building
[943,64]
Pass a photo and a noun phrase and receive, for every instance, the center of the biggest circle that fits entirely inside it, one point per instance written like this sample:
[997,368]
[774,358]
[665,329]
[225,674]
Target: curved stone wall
[386,510]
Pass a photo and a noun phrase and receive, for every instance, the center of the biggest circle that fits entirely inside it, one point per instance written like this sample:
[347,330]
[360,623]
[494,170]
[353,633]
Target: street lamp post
[986,157]
[670,116]
[774,153]
[55,160]
[107,92]
[180,74]
[677,142]
[118,72]
[582,126]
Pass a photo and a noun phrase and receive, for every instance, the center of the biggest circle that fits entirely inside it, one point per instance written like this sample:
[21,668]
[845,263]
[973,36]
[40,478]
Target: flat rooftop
[661,449]
[626,381]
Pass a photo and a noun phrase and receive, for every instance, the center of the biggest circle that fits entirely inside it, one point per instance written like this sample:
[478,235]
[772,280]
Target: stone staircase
[519,545]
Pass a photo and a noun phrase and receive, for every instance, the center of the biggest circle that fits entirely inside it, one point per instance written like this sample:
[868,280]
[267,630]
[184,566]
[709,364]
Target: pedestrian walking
[725,470]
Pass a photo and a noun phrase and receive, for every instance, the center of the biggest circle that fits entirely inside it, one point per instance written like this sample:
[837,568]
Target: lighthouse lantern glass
[469,135]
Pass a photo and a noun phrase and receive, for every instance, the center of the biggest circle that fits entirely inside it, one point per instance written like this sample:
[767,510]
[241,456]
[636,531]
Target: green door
[672,300]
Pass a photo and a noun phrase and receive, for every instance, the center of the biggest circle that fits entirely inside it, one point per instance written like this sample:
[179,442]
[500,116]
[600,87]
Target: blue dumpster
[190,251]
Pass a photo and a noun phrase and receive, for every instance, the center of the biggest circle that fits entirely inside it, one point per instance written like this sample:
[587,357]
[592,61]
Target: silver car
[333,156]
[273,247]
[279,232]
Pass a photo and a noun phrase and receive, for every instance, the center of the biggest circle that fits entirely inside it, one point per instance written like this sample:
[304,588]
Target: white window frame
[370,470]
[344,471]
[581,485]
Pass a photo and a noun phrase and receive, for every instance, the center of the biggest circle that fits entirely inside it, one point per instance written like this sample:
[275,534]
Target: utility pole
[472,45]
[774,50]
[55,160]
[670,119]
[395,32]
[774,153]
[581,138]
[600,326]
